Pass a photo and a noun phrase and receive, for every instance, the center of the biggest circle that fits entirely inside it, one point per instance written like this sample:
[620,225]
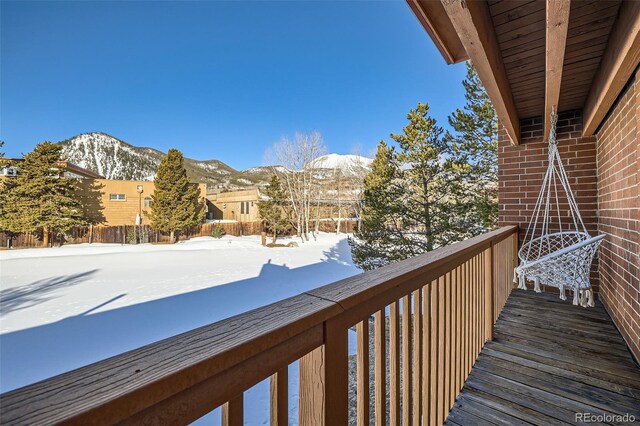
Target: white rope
[560,258]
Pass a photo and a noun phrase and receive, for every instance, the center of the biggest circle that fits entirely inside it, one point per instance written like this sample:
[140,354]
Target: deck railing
[437,309]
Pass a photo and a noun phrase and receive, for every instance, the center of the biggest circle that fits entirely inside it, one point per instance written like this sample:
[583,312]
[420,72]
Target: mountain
[116,159]
[350,165]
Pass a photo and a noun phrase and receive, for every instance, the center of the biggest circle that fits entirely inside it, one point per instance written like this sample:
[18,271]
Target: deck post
[312,388]
[232,412]
[336,364]
[488,292]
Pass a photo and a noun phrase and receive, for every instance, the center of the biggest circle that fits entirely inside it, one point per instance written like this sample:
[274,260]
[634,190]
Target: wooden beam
[434,20]
[556,41]
[474,26]
[618,63]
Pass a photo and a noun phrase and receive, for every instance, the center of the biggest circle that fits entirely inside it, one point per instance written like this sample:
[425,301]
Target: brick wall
[521,170]
[618,159]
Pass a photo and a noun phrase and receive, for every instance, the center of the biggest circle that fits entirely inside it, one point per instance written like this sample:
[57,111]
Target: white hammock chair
[561,258]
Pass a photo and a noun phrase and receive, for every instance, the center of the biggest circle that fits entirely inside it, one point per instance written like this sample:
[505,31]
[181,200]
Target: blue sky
[221,80]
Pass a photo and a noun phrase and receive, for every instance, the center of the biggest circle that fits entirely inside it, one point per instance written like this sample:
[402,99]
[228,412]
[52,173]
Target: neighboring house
[237,205]
[10,168]
[124,200]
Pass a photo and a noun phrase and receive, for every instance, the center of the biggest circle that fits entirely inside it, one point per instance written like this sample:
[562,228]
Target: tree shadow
[340,253]
[15,299]
[37,353]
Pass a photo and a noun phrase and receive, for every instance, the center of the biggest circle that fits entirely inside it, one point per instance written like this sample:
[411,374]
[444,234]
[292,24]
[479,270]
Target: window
[241,207]
[147,202]
[8,171]
[117,197]
[244,207]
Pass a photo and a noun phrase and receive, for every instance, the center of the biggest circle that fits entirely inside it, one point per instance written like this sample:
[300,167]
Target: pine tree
[476,139]
[40,199]
[273,210]
[175,205]
[379,234]
[411,197]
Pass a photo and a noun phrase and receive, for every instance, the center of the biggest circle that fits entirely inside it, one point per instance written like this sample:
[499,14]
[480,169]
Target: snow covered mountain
[116,159]
[354,165]
[111,157]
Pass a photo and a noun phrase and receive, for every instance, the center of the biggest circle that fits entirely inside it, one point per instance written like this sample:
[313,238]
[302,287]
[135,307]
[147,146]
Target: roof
[81,171]
[68,166]
[537,55]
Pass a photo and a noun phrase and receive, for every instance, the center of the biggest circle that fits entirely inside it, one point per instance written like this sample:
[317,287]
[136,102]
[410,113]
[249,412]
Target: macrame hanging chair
[551,255]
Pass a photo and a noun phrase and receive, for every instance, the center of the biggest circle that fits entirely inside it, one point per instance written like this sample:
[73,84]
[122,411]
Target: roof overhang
[541,55]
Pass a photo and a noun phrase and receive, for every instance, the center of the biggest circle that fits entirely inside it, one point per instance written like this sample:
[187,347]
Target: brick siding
[618,159]
[521,170]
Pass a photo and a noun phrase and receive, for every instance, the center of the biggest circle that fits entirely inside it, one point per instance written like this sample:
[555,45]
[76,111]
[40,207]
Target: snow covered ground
[62,308]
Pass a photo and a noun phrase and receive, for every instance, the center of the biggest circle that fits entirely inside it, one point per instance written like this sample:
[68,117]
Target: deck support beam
[472,21]
[557,24]
[618,64]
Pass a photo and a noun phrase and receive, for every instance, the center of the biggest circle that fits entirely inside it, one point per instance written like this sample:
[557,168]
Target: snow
[62,308]
[347,163]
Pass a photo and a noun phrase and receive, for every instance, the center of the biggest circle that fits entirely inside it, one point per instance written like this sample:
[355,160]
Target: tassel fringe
[576,296]
[536,286]
[583,298]
[523,285]
[563,295]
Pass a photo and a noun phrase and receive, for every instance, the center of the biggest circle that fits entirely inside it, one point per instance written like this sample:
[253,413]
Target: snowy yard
[63,308]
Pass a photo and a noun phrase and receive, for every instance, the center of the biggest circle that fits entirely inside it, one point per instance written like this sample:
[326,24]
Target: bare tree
[360,170]
[339,183]
[298,174]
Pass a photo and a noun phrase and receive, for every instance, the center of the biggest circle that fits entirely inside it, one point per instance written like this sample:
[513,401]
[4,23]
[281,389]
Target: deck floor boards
[548,361]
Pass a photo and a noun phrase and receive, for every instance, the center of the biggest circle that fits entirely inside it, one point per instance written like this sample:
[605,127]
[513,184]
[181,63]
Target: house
[10,168]
[108,202]
[122,201]
[241,206]
[474,350]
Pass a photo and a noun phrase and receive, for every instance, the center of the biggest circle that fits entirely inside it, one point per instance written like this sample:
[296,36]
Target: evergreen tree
[175,205]
[380,233]
[273,210]
[39,199]
[476,140]
[411,197]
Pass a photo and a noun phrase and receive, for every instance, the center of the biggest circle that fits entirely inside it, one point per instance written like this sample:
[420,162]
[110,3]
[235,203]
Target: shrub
[218,231]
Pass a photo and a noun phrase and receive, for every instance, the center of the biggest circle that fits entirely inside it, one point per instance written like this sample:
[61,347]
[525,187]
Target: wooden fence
[131,234]
[434,311]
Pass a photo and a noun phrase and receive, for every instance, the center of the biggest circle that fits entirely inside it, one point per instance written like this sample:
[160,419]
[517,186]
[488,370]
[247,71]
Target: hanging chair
[551,255]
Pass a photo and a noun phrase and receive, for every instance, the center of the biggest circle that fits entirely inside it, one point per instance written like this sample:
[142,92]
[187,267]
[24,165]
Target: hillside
[116,159]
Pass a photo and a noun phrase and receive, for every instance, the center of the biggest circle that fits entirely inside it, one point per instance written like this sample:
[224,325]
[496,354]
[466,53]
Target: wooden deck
[548,361]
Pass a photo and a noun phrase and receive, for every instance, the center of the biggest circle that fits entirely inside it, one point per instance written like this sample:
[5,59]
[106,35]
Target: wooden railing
[437,309]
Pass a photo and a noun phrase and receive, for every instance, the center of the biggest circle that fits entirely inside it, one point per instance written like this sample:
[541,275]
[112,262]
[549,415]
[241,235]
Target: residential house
[109,202]
[123,201]
[241,206]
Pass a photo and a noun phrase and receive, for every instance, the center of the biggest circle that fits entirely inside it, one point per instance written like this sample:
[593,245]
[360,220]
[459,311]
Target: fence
[433,312]
[131,234]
